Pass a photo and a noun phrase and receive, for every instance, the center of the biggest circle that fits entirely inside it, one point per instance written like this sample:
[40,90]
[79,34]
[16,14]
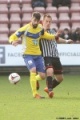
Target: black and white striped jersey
[49,47]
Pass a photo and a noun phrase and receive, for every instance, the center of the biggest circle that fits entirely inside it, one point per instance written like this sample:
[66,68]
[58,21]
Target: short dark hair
[37,15]
[47,15]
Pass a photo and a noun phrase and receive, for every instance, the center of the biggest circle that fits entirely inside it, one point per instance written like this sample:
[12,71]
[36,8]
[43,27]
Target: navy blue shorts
[35,61]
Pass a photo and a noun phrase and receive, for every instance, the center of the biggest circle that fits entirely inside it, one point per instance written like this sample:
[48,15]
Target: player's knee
[43,76]
[33,69]
[49,72]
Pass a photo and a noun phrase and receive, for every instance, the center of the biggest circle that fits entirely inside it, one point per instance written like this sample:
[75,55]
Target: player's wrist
[57,37]
[66,41]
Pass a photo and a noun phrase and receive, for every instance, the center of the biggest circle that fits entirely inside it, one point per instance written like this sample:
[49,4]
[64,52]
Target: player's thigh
[48,62]
[49,66]
[30,63]
[57,66]
[40,66]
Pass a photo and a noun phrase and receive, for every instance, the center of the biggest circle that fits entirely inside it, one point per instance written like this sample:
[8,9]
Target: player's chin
[35,26]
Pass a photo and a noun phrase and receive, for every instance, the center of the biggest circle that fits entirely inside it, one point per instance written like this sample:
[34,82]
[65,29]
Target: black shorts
[52,62]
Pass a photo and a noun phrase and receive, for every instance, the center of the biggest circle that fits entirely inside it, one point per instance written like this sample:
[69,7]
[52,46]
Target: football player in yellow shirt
[31,34]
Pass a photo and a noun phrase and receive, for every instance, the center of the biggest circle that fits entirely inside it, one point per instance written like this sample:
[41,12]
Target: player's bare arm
[61,40]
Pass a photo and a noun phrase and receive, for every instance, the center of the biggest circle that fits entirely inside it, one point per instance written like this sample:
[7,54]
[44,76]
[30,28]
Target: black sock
[55,83]
[49,81]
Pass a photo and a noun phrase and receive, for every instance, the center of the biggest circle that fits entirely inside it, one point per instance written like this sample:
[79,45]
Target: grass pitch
[17,103]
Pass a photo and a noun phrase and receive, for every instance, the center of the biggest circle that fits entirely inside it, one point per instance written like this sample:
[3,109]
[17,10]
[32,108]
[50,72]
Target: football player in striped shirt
[50,54]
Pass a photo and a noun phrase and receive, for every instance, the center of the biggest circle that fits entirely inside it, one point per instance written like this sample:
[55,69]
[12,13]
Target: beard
[35,25]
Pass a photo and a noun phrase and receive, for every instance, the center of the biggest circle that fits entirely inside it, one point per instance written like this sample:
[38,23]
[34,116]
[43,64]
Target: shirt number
[35,42]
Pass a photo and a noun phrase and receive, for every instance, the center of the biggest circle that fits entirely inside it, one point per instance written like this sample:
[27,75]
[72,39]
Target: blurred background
[65,16]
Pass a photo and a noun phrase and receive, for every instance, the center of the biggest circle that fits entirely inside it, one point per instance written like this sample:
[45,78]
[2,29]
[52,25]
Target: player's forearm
[61,40]
[12,38]
[17,34]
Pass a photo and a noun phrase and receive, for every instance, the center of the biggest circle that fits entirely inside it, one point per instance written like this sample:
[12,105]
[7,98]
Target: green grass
[17,103]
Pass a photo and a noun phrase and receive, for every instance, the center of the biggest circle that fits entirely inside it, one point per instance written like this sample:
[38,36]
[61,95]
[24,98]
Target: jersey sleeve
[17,34]
[48,36]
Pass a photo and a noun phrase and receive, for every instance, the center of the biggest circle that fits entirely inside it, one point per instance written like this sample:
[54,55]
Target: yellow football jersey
[30,38]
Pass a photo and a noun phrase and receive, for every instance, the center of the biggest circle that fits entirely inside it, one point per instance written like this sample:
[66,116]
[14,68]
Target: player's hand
[59,32]
[15,43]
[69,41]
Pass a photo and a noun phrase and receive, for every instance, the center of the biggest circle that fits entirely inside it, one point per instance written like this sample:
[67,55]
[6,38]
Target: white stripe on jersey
[49,47]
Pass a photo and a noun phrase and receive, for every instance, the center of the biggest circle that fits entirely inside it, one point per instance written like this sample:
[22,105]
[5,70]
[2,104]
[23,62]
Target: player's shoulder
[40,26]
[26,26]
[41,29]
[53,31]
